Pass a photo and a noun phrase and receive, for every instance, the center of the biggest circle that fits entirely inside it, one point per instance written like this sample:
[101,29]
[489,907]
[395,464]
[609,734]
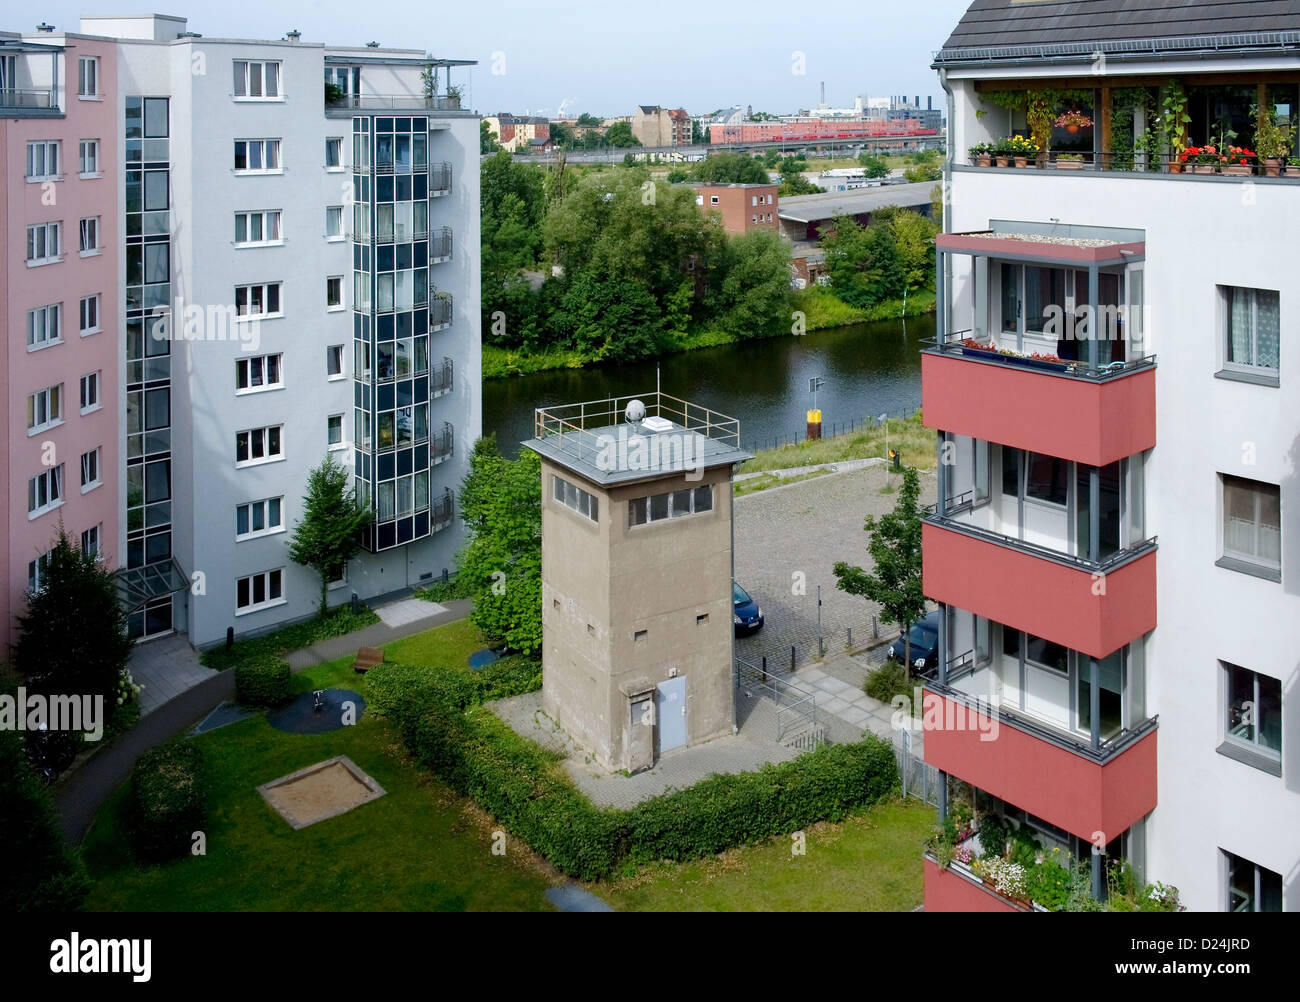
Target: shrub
[1049,883]
[1024,847]
[993,835]
[338,622]
[263,681]
[888,681]
[168,800]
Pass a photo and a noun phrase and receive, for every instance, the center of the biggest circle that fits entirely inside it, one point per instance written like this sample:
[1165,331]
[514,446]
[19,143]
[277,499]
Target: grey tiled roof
[1180,24]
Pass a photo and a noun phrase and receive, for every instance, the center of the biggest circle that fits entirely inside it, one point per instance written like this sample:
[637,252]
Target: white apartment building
[1117,544]
[301,280]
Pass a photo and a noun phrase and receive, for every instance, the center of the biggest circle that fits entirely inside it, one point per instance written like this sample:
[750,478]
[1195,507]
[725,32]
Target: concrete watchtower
[636,574]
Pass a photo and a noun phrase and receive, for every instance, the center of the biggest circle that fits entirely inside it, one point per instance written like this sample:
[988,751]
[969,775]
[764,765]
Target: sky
[572,56]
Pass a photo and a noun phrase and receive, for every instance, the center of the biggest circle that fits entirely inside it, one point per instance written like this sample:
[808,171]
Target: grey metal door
[670,714]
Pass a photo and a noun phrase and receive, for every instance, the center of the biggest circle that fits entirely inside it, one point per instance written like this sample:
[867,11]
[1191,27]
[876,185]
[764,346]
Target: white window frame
[573,497]
[88,78]
[340,305]
[88,237]
[334,213]
[249,73]
[248,296]
[1237,557]
[46,161]
[333,351]
[342,442]
[1225,332]
[267,146]
[49,402]
[52,321]
[252,437]
[645,506]
[92,469]
[88,157]
[93,537]
[44,243]
[253,374]
[36,570]
[90,391]
[271,220]
[88,305]
[274,576]
[267,529]
[338,165]
[45,492]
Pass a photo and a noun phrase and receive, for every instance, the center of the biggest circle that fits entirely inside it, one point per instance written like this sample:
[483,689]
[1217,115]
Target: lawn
[872,862]
[420,847]
[907,435]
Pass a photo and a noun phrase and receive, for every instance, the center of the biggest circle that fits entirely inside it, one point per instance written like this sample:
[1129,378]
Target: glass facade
[396,307]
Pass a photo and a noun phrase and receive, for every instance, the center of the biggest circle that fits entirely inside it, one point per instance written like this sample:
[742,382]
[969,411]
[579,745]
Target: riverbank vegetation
[907,436]
[615,266]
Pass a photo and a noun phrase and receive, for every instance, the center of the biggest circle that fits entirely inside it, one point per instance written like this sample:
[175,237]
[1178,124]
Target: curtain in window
[1267,324]
[1239,327]
[385,496]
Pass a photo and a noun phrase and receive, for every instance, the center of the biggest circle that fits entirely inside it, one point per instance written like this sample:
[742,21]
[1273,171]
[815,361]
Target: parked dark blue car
[747,616]
[925,643]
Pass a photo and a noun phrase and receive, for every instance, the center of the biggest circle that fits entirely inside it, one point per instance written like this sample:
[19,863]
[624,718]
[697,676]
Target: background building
[518,132]
[656,126]
[743,207]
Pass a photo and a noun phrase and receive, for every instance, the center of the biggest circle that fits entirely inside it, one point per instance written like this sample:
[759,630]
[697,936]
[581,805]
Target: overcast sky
[585,55]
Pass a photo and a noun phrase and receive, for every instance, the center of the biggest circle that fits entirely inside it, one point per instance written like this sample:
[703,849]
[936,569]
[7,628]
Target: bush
[168,800]
[888,681]
[527,791]
[338,622]
[993,835]
[263,681]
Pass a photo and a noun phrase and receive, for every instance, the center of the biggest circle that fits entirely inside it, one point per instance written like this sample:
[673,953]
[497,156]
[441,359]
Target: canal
[869,369]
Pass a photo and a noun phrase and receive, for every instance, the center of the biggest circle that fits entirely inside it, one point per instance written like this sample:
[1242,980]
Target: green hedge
[528,792]
[335,623]
[263,681]
[168,800]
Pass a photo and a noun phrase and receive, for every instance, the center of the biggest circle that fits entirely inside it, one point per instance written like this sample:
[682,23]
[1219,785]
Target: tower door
[670,713]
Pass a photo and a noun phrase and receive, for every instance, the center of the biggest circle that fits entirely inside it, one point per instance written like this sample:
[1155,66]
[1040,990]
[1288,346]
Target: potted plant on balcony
[1021,149]
[1002,152]
[1203,159]
[1069,161]
[1072,121]
[1239,161]
[1273,142]
[1292,166]
[1174,120]
[981,154]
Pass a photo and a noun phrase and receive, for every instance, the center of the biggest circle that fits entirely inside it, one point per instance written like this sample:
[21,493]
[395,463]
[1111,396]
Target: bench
[367,658]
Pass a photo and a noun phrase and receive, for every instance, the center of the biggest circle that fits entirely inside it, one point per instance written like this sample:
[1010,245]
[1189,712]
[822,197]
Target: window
[259,591]
[1252,527]
[259,518]
[45,491]
[44,409]
[254,80]
[334,361]
[713,199]
[334,153]
[257,300]
[1254,714]
[90,542]
[43,326]
[1251,887]
[258,227]
[259,373]
[36,570]
[258,445]
[44,242]
[90,314]
[257,155]
[334,292]
[90,470]
[88,157]
[675,504]
[90,392]
[89,235]
[1251,330]
[43,160]
[572,496]
[1046,478]
[334,431]
[334,222]
[88,76]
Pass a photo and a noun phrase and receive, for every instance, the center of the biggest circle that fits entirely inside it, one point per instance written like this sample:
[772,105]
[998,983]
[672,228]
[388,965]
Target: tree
[501,503]
[678,177]
[699,135]
[729,167]
[487,142]
[874,166]
[914,240]
[328,536]
[753,295]
[562,136]
[588,121]
[619,135]
[895,548]
[864,263]
[72,638]
[923,172]
[794,183]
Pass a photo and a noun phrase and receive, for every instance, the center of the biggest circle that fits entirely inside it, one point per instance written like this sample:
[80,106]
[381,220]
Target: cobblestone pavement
[165,668]
[788,539]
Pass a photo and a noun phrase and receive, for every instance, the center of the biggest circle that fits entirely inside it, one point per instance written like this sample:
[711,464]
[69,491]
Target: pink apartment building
[59,305]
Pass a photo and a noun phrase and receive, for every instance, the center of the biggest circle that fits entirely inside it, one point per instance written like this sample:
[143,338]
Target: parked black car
[924,643]
[746,615]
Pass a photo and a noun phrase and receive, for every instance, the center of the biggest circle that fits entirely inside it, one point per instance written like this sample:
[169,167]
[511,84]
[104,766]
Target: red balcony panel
[1072,791]
[946,891]
[1089,421]
[1093,614]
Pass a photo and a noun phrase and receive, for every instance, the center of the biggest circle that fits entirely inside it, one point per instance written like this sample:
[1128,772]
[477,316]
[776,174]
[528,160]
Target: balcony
[1091,606]
[442,446]
[29,99]
[440,245]
[439,179]
[956,889]
[1063,779]
[393,102]
[1128,164]
[440,312]
[441,378]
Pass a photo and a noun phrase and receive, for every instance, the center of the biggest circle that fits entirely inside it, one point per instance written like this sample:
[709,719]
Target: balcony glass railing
[964,344]
[1128,163]
[11,97]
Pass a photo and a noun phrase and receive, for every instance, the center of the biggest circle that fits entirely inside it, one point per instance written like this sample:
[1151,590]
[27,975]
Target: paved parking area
[788,539]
